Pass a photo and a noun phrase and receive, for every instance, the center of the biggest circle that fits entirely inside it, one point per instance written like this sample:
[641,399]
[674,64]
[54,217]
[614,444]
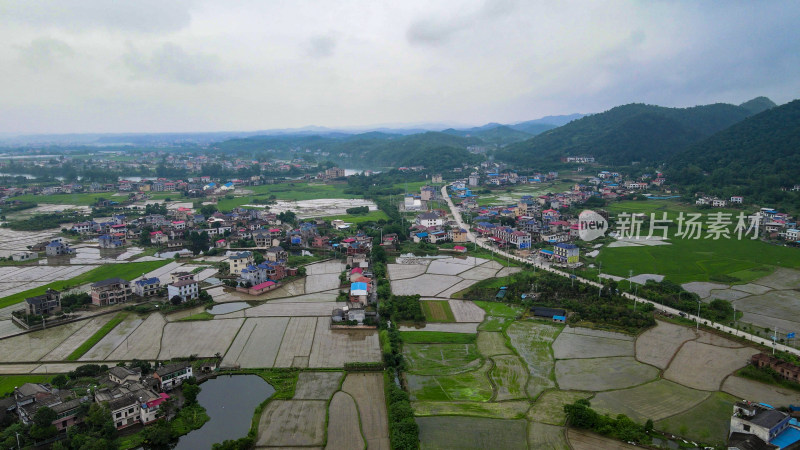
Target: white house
[429,219]
[185,289]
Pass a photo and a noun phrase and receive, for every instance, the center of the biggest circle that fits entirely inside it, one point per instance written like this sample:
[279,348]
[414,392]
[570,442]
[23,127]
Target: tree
[176,300]
[158,435]
[43,427]
[60,381]
[190,392]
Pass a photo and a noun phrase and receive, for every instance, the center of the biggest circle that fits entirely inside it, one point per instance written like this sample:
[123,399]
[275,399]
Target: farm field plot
[658,345]
[426,285]
[317,385]
[602,374]
[496,410]
[201,338]
[271,309]
[468,386]
[317,297]
[261,343]
[17,369]
[297,340]
[76,339]
[458,287]
[466,311]
[549,407]
[781,278]
[441,359]
[437,311]
[584,440]
[717,340]
[402,271]
[325,267]
[33,346]
[509,376]
[776,396]
[715,363]
[321,282]
[707,422]
[478,273]
[333,348]
[492,343]
[495,323]
[367,390]
[448,432]
[571,345]
[447,267]
[144,342]
[532,341]
[292,423]
[775,308]
[655,400]
[543,436]
[471,328]
[15,241]
[343,423]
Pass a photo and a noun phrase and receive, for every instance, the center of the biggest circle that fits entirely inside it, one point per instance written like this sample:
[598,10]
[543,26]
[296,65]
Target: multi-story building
[770,426]
[277,253]
[147,287]
[111,291]
[566,253]
[172,375]
[45,304]
[238,261]
[187,288]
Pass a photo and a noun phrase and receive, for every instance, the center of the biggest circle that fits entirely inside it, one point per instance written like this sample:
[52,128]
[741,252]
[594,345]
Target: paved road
[543,266]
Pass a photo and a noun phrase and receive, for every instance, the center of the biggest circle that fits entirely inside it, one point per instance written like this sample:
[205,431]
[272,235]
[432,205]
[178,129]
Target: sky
[99,66]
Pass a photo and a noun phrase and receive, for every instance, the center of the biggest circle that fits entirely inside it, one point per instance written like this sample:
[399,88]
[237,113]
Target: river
[230,401]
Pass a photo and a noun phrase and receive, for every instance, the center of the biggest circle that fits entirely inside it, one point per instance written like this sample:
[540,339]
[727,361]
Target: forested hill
[374,149]
[624,134]
[755,158]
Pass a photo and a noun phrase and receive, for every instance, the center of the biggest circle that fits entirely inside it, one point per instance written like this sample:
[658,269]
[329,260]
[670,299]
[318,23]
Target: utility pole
[774,340]
[698,315]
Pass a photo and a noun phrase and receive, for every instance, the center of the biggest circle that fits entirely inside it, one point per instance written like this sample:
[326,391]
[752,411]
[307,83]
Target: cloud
[321,46]
[43,52]
[172,63]
[78,16]
[433,31]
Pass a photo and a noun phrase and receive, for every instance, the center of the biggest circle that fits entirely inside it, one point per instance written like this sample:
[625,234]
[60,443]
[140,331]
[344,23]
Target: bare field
[259,341]
[492,343]
[426,285]
[367,390]
[719,341]
[297,341]
[286,423]
[549,407]
[495,410]
[448,432]
[458,287]
[602,374]
[469,386]
[333,348]
[402,271]
[33,346]
[510,377]
[325,267]
[304,309]
[715,363]
[655,400]
[571,345]
[479,273]
[466,311]
[317,385]
[113,339]
[201,338]
[343,424]
[444,327]
[776,396]
[441,359]
[446,267]
[79,337]
[144,343]
[584,440]
[658,345]
[322,282]
[543,436]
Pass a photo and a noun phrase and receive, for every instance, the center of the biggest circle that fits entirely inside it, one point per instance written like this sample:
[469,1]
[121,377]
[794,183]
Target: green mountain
[498,135]
[755,158]
[625,134]
[758,104]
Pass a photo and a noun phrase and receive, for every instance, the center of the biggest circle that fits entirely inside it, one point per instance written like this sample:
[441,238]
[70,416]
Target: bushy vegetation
[581,415]
[97,336]
[403,308]
[358,210]
[766,375]
[403,429]
[673,295]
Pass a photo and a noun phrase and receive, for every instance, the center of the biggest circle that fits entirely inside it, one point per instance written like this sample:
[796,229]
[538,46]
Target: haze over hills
[630,133]
[756,157]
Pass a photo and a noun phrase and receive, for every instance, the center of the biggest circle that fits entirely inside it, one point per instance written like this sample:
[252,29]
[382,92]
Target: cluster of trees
[581,415]
[403,308]
[358,210]
[44,221]
[673,295]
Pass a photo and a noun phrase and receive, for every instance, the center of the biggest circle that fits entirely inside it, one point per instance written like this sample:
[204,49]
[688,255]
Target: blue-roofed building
[762,426]
[147,287]
[58,248]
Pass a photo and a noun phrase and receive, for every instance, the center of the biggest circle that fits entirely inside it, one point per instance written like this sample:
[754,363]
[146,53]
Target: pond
[225,308]
[230,402]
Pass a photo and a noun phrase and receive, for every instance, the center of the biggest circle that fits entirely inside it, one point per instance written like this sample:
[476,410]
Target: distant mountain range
[630,133]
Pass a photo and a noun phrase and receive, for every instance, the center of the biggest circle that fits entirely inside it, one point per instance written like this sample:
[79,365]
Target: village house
[147,287]
[238,261]
[24,256]
[110,291]
[121,374]
[111,241]
[30,397]
[184,286]
[566,253]
[172,375]
[276,253]
[429,219]
[757,425]
[45,304]
[57,248]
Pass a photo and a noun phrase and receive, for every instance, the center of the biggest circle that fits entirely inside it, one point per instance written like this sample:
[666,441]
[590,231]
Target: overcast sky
[184,65]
